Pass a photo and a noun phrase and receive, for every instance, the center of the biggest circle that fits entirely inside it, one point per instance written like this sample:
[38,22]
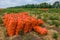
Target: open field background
[51,17]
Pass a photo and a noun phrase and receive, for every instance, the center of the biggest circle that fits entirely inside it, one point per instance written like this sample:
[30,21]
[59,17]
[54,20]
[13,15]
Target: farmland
[51,17]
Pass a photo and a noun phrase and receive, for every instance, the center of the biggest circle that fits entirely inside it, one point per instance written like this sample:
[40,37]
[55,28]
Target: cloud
[12,3]
[51,1]
[6,3]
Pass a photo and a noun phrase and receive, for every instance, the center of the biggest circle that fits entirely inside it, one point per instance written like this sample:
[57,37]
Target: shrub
[49,22]
[53,17]
[55,35]
[56,23]
[1,20]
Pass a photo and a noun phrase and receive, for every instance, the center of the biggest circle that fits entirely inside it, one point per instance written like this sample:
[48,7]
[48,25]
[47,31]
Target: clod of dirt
[32,36]
[15,38]
[49,26]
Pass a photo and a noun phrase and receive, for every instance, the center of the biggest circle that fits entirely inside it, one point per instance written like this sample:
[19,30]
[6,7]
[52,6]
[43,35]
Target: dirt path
[2,37]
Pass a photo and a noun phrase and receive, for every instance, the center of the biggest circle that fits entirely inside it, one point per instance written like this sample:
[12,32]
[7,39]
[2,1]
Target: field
[51,17]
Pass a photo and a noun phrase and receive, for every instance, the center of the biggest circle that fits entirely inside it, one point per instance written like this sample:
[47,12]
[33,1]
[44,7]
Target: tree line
[41,5]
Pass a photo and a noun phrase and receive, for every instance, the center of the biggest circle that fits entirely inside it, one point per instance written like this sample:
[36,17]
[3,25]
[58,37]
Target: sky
[12,3]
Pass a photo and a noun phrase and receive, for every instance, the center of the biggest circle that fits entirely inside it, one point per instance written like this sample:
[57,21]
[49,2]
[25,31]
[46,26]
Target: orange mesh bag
[16,23]
[40,30]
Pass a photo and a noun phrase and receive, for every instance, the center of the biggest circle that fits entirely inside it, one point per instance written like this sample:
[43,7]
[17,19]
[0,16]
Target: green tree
[45,5]
[56,4]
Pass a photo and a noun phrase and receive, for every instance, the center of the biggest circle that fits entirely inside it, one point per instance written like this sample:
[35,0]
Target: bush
[55,35]
[1,20]
[49,22]
[56,23]
[54,17]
